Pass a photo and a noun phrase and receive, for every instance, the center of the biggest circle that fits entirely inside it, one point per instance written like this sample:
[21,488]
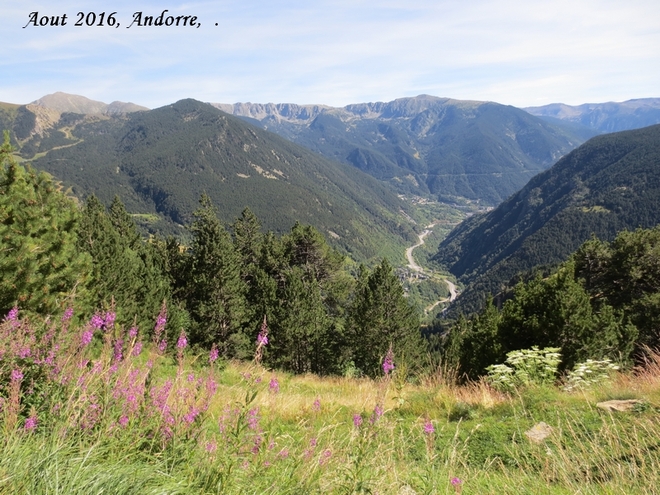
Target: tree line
[219,286]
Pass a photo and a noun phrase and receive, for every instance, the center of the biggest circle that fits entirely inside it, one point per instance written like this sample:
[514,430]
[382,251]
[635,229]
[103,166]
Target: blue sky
[521,53]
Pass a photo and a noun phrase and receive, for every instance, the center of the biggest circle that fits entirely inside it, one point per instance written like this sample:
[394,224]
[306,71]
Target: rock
[539,432]
[619,405]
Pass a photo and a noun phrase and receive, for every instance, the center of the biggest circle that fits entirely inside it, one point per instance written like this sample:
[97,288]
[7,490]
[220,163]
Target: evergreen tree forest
[601,303]
[222,287]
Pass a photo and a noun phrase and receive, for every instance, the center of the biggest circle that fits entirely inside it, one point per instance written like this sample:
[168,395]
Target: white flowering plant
[525,367]
[589,373]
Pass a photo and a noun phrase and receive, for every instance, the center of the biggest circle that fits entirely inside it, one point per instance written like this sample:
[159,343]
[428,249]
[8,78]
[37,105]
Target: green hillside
[160,162]
[609,184]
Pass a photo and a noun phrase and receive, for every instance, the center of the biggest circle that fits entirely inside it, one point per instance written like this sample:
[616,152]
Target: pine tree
[40,266]
[381,317]
[215,291]
[126,270]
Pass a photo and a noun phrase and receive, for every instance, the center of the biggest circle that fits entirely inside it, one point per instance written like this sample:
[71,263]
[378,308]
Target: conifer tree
[40,265]
[126,270]
[216,292]
[381,317]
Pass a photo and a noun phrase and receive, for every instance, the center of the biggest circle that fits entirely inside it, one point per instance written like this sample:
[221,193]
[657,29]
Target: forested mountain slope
[608,184]
[160,162]
[426,145]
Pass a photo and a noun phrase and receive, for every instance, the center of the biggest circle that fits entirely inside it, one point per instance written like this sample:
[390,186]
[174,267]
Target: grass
[172,423]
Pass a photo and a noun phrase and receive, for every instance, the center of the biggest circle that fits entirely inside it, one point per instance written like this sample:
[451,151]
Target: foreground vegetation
[93,407]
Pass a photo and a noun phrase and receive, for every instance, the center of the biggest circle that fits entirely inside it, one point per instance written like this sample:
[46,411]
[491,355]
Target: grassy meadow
[90,408]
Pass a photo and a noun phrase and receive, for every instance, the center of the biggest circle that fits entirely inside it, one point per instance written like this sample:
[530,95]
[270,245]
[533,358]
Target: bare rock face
[619,405]
[539,432]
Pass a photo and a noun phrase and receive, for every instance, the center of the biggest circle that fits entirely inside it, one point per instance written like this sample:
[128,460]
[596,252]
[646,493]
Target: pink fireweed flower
[357,420]
[12,315]
[428,427]
[274,385]
[123,421]
[118,350]
[211,447]
[253,419]
[182,343]
[316,407]
[109,320]
[132,333]
[96,321]
[378,412]
[162,345]
[67,314]
[16,375]
[137,349]
[457,484]
[388,362]
[31,423]
[213,355]
[325,456]
[86,337]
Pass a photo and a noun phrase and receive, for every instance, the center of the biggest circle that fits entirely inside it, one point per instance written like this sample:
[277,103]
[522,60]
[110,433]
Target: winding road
[412,264]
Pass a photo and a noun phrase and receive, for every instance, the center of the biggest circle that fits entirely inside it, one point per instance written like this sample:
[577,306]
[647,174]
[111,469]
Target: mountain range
[160,161]
[426,145]
[604,117]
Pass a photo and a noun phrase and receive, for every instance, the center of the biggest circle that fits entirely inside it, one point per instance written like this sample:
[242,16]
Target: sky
[521,53]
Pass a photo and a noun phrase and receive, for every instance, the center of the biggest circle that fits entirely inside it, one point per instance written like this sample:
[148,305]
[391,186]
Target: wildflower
[325,456]
[428,427]
[357,420]
[132,333]
[213,355]
[16,375]
[191,377]
[86,338]
[274,385]
[253,418]
[283,454]
[31,423]
[162,345]
[96,321]
[67,314]
[456,483]
[182,343]
[316,407]
[388,362]
[313,441]
[262,340]
[137,349]
[109,320]
[211,447]
[12,315]
[118,350]
[123,421]
[378,412]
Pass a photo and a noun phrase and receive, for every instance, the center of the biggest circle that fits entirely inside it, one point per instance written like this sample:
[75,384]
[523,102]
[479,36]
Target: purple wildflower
[109,320]
[132,333]
[118,350]
[283,454]
[313,441]
[211,446]
[213,355]
[378,412]
[357,420]
[274,385]
[325,456]
[262,338]
[67,314]
[86,337]
[123,421]
[12,315]
[182,343]
[316,407]
[31,423]
[388,362]
[428,427]
[137,349]
[162,345]
[96,321]
[253,419]
[16,375]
